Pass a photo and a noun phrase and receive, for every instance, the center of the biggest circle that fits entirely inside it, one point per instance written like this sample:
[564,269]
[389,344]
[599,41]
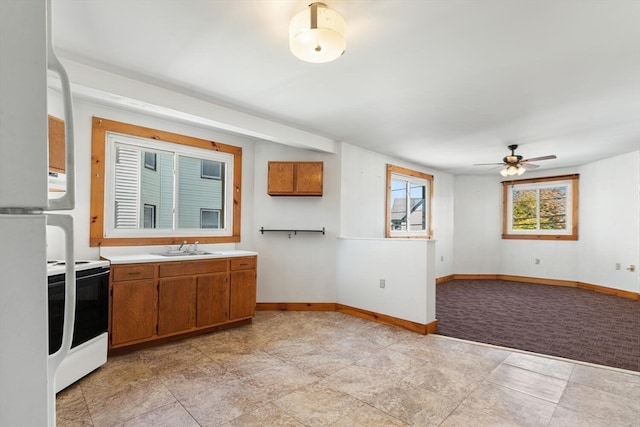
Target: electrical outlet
[382,283]
[536,261]
[617,266]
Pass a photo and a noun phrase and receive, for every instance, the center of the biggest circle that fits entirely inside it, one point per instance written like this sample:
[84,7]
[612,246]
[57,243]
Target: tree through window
[542,208]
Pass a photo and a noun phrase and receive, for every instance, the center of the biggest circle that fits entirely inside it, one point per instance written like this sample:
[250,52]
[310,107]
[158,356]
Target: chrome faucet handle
[195,246]
[182,245]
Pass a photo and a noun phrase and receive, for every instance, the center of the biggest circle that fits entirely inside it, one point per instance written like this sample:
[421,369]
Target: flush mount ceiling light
[317,34]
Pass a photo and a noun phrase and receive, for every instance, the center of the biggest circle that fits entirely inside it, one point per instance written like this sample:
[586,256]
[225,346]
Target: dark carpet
[559,321]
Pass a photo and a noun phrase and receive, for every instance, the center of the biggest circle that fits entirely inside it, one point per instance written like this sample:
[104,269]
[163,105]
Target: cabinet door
[177,304]
[243,294]
[280,179]
[213,299]
[56,145]
[134,311]
[309,178]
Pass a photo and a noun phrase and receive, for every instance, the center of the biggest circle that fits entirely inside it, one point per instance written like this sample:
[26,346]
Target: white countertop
[151,257]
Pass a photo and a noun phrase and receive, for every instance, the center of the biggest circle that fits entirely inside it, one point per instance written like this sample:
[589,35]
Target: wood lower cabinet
[150,301]
[212,299]
[134,310]
[176,304]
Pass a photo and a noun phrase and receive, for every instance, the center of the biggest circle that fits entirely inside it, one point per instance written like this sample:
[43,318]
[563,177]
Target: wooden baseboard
[610,291]
[388,320]
[296,306]
[352,311]
[540,281]
[554,282]
[444,279]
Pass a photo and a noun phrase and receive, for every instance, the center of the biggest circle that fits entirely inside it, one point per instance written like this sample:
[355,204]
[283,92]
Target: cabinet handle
[134,273]
[242,265]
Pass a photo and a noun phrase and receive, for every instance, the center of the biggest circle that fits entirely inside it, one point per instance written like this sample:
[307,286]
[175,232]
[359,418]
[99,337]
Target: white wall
[477,225]
[303,268]
[609,217]
[83,113]
[406,266]
[363,201]
[610,222]
[300,268]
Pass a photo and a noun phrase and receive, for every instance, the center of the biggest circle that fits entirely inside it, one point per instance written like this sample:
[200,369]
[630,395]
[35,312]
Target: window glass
[150,160]
[149,216]
[541,208]
[149,187]
[209,218]
[175,187]
[408,203]
[211,170]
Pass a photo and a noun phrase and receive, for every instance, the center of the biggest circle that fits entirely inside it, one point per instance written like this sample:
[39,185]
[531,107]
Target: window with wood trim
[541,208]
[134,167]
[409,197]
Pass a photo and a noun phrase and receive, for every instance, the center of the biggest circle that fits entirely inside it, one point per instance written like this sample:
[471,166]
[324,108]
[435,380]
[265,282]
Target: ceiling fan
[514,164]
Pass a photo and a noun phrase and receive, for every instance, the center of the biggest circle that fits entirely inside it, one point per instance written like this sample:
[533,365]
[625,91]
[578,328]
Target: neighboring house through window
[149,216]
[409,196]
[541,208]
[209,218]
[211,169]
[150,160]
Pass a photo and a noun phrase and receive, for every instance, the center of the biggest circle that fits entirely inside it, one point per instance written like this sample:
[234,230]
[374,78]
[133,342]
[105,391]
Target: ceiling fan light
[503,172]
[317,34]
[520,170]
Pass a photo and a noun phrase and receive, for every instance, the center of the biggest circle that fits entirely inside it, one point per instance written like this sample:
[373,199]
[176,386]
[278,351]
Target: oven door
[92,310]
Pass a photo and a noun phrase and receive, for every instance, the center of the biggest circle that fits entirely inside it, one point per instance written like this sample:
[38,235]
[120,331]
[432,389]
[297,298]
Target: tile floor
[330,369]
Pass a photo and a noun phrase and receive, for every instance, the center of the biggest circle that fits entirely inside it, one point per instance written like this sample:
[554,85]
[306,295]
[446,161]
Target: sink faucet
[182,245]
[195,246]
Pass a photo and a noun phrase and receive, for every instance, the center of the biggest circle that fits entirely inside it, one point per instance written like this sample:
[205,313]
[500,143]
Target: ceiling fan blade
[535,159]
[487,164]
[529,165]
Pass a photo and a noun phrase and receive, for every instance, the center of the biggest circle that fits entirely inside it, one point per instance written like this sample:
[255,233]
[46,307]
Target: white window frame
[114,140]
[417,178]
[570,232]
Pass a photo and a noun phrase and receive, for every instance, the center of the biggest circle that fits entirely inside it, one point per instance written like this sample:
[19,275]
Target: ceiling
[441,83]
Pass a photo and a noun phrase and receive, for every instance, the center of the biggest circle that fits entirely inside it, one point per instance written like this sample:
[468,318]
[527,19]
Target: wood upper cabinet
[295,178]
[56,145]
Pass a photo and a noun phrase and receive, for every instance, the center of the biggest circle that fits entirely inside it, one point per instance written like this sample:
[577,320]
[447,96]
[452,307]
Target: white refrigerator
[27,372]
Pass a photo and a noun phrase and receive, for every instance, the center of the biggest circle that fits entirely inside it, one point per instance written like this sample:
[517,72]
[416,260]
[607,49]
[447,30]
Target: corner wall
[609,221]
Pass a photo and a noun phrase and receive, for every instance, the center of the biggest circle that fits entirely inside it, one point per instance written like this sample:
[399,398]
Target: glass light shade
[317,34]
[512,170]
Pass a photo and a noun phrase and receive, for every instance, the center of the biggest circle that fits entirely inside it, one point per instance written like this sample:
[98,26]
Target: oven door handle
[65,222]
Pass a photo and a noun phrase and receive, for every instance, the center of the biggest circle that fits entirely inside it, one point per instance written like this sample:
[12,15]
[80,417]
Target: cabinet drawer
[183,268]
[244,263]
[131,272]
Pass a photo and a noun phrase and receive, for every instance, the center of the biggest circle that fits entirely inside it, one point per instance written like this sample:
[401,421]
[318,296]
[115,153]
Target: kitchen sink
[182,253]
